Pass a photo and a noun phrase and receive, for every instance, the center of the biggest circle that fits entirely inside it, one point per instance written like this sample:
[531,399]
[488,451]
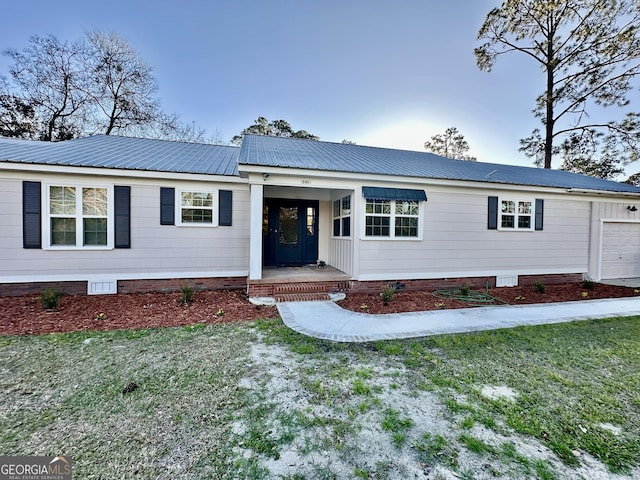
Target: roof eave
[587,191]
[246,169]
[116,172]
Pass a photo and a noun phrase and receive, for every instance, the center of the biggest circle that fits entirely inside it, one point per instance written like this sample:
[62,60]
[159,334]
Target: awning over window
[406,194]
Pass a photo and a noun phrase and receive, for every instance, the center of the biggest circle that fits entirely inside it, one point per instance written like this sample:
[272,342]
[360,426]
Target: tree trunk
[549,120]
[548,139]
[50,126]
[112,117]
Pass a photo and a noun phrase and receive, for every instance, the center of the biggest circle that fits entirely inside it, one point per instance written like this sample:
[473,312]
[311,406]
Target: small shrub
[540,287]
[440,305]
[186,295]
[585,294]
[387,294]
[465,290]
[588,284]
[520,298]
[101,316]
[50,298]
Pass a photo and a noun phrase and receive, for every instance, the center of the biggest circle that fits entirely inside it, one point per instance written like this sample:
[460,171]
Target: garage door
[620,250]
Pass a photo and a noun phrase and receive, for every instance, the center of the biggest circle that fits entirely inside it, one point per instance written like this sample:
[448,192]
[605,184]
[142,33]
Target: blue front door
[290,234]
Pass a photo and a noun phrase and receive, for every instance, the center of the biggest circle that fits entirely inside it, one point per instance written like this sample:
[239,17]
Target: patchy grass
[257,400]
[397,425]
[63,394]
[435,450]
[571,378]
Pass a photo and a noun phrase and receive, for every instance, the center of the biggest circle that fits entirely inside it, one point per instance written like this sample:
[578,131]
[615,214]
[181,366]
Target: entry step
[297,297]
[302,297]
[298,288]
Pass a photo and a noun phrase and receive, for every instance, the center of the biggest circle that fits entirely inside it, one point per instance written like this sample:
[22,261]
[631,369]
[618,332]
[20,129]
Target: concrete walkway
[329,321]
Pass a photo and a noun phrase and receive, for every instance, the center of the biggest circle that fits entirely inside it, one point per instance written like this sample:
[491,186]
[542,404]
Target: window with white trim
[79,216]
[407,214]
[196,208]
[392,218]
[516,214]
[342,217]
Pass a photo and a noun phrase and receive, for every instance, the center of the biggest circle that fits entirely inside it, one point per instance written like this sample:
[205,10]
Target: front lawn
[256,400]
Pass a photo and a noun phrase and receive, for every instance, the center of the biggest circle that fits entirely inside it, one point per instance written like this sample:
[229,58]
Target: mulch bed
[423,300]
[26,316]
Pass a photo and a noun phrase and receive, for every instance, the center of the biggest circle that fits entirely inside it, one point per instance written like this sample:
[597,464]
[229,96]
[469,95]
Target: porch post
[255,232]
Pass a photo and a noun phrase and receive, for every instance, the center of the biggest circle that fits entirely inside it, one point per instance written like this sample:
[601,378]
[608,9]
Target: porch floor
[303,274]
[623,282]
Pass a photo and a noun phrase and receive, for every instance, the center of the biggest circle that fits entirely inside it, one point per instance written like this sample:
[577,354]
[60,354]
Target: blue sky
[380,73]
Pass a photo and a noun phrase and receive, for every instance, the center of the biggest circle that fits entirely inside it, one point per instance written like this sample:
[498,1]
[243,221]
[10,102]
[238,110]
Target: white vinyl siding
[190,249]
[343,220]
[456,241]
[341,254]
[155,249]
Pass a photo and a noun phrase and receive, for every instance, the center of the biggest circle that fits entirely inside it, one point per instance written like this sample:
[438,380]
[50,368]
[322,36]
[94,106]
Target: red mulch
[26,316]
[423,300]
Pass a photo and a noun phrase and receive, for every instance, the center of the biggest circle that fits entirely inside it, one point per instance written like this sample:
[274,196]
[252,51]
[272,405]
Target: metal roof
[109,151]
[127,153]
[260,150]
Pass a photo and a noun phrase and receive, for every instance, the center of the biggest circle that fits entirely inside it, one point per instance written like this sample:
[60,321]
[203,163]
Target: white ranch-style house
[108,214]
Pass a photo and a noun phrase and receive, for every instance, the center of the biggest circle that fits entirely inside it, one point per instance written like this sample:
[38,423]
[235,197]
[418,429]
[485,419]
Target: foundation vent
[506,281]
[102,287]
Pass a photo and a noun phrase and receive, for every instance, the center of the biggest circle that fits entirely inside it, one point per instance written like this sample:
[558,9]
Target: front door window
[311,221]
[288,225]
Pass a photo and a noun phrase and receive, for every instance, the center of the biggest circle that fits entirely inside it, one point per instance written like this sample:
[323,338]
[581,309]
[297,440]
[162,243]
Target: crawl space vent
[507,281]
[102,287]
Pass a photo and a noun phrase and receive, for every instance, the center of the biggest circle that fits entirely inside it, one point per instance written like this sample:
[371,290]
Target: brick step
[296,288]
[301,297]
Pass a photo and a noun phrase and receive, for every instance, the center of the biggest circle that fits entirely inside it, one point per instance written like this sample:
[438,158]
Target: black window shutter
[539,213]
[31,215]
[167,206]
[225,208]
[492,222]
[122,203]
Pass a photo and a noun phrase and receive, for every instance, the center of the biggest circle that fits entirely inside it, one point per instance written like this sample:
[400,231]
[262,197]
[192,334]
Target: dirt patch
[26,316]
[423,300]
[617,431]
[350,413]
[499,392]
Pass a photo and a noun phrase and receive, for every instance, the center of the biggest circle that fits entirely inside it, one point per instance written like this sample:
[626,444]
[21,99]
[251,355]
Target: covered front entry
[290,232]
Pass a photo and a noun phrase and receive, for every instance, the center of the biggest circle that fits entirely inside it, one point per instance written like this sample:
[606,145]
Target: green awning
[402,194]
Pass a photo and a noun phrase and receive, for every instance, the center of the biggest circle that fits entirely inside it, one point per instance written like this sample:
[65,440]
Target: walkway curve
[327,320]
